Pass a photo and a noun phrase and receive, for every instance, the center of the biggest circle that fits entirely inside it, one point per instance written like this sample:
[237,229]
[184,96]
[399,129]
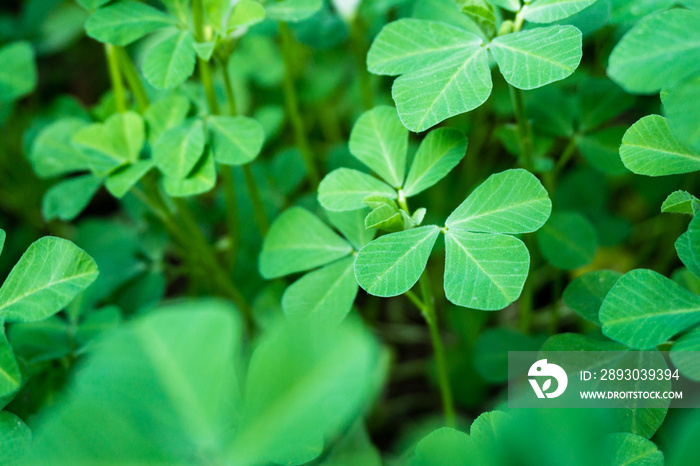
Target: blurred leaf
[171,61]
[392,264]
[245,13]
[164,114]
[47,277]
[548,11]
[602,150]
[481,12]
[644,309]
[513,201]
[15,438]
[688,247]
[385,217]
[10,376]
[567,240]
[681,114]
[440,151]
[492,347]
[124,22]
[345,189]
[324,295]
[632,450]
[660,50]
[586,293]
[684,354]
[444,446]
[299,241]
[292,10]
[17,71]
[355,449]
[53,152]
[600,100]
[67,199]
[121,181]
[649,148]
[681,202]
[379,140]
[201,179]
[179,148]
[235,140]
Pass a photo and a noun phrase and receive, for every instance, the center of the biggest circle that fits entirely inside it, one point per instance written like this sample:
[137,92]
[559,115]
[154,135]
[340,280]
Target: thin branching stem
[524,129]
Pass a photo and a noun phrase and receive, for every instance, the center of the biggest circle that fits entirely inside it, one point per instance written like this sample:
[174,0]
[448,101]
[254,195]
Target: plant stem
[359,50]
[132,78]
[427,308]
[230,96]
[115,78]
[292,103]
[524,129]
[402,202]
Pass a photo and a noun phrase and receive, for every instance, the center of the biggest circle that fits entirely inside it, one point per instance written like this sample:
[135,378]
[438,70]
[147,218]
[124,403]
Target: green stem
[230,96]
[427,308]
[115,78]
[524,129]
[359,50]
[292,103]
[403,203]
[256,200]
[132,78]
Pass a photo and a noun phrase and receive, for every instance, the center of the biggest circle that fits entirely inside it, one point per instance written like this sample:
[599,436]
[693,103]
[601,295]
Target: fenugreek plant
[224,223]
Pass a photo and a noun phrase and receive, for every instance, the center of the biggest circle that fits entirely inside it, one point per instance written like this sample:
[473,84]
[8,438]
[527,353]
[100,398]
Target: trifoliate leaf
[346,189]
[391,264]
[437,155]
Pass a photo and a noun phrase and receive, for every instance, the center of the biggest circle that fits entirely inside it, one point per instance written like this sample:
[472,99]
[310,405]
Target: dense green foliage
[260,232]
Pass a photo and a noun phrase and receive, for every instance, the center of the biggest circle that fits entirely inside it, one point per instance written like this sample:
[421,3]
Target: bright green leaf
[346,189]
[178,149]
[324,295]
[109,145]
[444,446]
[391,264]
[245,13]
[379,140]
[299,241]
[660,50]
[513,201]
[684,354]
[649,148]
[171,62]
[567,240]
[121,181]
[17,71]
[688,247]
[123,22]
[292,10]
[484,271]
[351,224]
[10,376]
[50,273]
[15,438]
[681,113]
[386,218]
[586,293]
[482,13]
[66,199]
[53,152]
[201,179]
[536,57]
[437,155]
[235,140]
[623,448]
[644,309]
[548,11]
[681,202]
[164,114]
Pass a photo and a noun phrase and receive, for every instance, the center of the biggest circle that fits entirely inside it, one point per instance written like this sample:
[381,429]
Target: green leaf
[352,225]
[513,201]
[390,265]
[121,181]
[201,179]
[444,446]
[53,152]
[649,148]
[534,58]
[548,11]
[660,50]
[379,140]
[481,12]
[92,4]
[688,247]
[292,10]
[456,85]
[412,44]
[178,149]
[586,293]
[681,202]
[437,155]
[164,114]
[235,140]
[385,217]
[124,22]
[67,199]
[681,114]
[600,100]
[567,240]
[346,189]
[484,271]
[245,13]
[171,61]
[2,239]
[644,309]
[10,376]
[299,241]
[109,145]
[17,71]
[631,450]
[167,358]
[324,295]
[15,438]
[684,354]
[602,150]
[47,277]
[306,382]
[355,449]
